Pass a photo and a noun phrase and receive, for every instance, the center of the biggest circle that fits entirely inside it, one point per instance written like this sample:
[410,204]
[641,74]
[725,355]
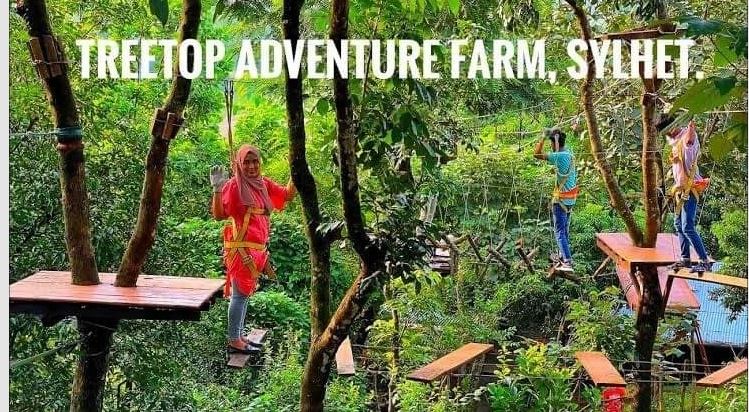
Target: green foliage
[347,395]
[597,325]
[277,311]
[538,382]
[160,9]
[709,93]
[731,232]
[732,398]
[279,385]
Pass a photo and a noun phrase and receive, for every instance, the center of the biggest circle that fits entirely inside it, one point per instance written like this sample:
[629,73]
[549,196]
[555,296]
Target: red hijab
[249,185]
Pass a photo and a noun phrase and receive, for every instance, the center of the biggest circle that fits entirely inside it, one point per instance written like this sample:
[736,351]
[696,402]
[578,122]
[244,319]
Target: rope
[60,348]
[229,103]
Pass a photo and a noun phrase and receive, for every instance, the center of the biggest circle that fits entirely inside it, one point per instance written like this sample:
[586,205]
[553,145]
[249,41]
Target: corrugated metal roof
[715,324]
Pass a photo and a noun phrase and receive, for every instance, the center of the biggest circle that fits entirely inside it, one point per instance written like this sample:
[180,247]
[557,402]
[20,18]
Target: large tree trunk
[323,349]
[650,298]
[319,243]
[596,146]
[372,257]
[144,233]
[646,325]
[72,170]
[91,369]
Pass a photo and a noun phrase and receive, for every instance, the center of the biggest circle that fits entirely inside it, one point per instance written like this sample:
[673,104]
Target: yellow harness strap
[239,245]
[557,194]
[681,193]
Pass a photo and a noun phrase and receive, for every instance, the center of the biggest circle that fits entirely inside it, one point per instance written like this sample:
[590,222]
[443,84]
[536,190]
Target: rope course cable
[59,348]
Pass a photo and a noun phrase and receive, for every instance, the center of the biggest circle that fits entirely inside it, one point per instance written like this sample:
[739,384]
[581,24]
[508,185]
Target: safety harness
[558,195]
[238,245]
[692,186]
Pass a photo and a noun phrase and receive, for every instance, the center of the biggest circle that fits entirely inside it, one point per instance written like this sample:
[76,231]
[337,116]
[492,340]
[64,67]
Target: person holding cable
[686,191]
[565,192]
[246,200]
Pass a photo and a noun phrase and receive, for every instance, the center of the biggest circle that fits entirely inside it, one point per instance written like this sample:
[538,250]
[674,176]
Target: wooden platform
[344,359]
[682,296]
[239,360]
[450,362]
[600,370]
[724,375]
[619,247]
[50,295]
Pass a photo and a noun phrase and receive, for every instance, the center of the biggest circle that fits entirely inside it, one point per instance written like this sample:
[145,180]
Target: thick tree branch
[650,165]
[372,257]
[72,162]
[596,146]
[319,243]
[346,138]
[144,233]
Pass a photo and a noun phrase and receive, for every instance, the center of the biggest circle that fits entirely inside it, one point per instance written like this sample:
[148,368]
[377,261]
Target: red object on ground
[613,399]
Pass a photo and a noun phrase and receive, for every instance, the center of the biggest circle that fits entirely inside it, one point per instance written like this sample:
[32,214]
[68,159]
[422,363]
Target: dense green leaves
[160,9]
[709,93]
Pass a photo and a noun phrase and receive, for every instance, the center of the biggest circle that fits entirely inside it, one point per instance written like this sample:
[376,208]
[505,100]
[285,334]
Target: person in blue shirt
[565,190]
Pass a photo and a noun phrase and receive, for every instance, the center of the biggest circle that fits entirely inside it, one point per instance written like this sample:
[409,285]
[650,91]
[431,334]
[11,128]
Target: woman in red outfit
[247,200]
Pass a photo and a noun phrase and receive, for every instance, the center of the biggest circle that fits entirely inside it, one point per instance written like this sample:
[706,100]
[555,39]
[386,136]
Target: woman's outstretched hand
[218,178]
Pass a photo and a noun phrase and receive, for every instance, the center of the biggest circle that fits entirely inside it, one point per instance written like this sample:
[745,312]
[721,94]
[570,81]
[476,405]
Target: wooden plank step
[711,277]
[724,375]
[239,360]
[600,370]
[448,363]
[344,359]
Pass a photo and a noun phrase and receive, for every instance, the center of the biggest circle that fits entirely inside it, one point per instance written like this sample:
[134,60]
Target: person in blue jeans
[688,185]
[565,190]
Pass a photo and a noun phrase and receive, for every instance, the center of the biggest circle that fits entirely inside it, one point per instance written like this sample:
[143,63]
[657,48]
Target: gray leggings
[237,312]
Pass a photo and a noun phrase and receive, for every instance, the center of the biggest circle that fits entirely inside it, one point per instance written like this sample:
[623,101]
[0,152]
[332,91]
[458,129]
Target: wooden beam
[601,267]
[450,362]
[639,34]
[724,375]
[711,277]
[344,359]
[600,370]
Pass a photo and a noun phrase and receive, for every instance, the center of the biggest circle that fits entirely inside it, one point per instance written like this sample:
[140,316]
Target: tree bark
[323,349]
[91,369]
[372,256]
[650,297]
[646,327]
[319,243]
[144,234]
[649,162]
[72,161]
[596,146]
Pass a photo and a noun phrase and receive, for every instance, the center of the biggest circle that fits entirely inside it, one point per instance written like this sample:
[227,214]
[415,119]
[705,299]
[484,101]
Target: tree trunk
[596,146]
[91,371]
[319,243]
[323,349]
[372,256]
[144,233]
[650,298]
[646,326]
[72,162]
